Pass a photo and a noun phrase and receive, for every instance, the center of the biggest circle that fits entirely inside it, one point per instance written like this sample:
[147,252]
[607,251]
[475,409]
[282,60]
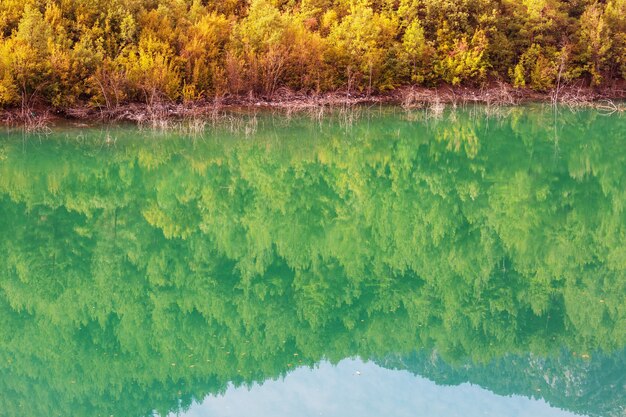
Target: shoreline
[286,101]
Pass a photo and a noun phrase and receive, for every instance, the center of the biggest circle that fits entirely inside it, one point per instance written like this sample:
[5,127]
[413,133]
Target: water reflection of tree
[158,271]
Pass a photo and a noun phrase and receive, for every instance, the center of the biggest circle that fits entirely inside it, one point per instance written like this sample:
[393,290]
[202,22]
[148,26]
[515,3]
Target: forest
[553,379]
[143,271]
[104,53]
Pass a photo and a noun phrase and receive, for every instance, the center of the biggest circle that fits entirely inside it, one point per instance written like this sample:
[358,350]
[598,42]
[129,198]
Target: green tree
[359,47]
[459,60]
[419,52]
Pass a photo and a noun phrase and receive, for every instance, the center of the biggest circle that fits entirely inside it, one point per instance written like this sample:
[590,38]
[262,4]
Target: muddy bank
[408,97]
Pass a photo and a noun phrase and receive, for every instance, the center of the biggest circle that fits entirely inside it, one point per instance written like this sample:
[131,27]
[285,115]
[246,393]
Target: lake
[464,262]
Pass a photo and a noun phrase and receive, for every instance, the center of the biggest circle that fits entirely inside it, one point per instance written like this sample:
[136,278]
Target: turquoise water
[464,262]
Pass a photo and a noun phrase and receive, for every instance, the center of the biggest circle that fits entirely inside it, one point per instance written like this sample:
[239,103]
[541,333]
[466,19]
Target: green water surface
[143,271]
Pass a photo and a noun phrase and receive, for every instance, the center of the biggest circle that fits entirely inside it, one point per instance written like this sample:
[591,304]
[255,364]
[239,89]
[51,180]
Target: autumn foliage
[105,53]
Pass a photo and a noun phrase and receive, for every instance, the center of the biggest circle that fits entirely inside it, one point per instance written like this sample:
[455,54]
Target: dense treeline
[143,274]
[64,52]
[586,387]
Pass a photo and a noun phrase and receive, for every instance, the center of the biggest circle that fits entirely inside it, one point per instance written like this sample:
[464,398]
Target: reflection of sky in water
[341,392]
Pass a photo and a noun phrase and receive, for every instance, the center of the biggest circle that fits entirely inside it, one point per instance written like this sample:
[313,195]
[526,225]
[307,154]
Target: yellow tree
[11,12]
[259,49]
[151,74]
[595,40]
[418,52]
[9,92]
[615,16]
[359,46]
[203,54]
[27,59]
[460,60]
